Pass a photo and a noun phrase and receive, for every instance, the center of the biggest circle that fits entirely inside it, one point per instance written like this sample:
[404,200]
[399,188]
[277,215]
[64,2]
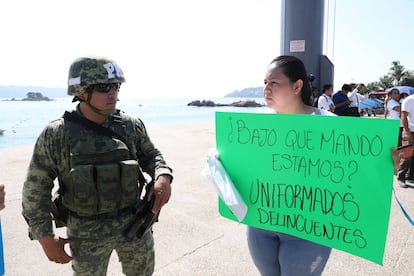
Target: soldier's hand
[162,192]
[53,246]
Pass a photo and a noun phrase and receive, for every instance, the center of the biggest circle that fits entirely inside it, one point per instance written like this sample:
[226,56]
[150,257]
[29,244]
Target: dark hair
[294,69]
[392,90]
[327,87]
[346,87]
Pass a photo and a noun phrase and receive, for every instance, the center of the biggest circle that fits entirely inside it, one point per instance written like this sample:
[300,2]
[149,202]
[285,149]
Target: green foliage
[373,86]
[408,79]
[408,82]
[397,72]
[385,82]
[396,76]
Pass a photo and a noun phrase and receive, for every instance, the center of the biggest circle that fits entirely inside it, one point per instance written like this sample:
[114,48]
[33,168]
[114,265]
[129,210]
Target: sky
[192,48]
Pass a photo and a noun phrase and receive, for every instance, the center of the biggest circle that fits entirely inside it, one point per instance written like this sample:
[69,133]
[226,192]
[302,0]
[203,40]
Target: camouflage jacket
[50,160]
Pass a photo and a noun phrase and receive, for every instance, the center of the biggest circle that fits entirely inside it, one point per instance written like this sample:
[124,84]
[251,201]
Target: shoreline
[149,127]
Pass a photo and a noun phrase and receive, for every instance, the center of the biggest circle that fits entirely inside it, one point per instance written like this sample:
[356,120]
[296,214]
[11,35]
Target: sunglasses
[104,87]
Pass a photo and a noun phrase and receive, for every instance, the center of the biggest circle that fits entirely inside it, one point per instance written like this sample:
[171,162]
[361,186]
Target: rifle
[144,218]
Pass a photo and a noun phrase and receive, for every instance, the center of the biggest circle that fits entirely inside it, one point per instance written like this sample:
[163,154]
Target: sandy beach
[191,237]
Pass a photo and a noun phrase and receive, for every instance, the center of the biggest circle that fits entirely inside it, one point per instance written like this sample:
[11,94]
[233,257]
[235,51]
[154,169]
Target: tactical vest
[103,174]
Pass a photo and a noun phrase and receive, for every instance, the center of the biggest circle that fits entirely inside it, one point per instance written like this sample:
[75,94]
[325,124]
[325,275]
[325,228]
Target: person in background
[325,100]
[393,109]
[386,100]
[403,96]
[2,197]
[287,91]
[314,96]
[98,176]
[406,170]
[371,112]
[355,97]
[341,101]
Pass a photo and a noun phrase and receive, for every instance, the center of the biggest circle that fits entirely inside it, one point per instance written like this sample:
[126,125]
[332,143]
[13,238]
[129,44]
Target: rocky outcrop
[35,96]
[247,104]
[20,92]
[201,103]
[209,103]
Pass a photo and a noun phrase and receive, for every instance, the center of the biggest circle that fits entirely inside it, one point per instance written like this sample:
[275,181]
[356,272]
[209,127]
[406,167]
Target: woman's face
[395,95]
[279,93]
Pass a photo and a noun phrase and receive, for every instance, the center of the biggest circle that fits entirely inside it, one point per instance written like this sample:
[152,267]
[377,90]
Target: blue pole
[302,37]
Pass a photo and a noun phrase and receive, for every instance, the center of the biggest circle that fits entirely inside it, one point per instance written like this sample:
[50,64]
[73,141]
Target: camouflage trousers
[92,249]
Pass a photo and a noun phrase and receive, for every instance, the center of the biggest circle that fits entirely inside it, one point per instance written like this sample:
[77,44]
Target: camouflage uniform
[97,231]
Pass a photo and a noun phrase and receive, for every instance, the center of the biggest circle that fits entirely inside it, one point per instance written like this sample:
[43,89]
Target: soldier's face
[104,101]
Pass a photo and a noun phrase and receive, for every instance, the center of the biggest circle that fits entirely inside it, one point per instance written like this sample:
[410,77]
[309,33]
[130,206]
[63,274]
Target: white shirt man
[407,115]
[407,120]
[325,101]
[355,97]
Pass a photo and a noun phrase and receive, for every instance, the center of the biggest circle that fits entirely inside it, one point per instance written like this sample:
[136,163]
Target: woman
[393,109]
[287,90]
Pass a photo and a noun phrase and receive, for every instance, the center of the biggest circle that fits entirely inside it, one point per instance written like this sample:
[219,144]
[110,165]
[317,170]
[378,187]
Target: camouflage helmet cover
[86,71]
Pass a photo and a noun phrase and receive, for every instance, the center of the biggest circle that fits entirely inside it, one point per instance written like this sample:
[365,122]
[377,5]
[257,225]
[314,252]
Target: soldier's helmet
[86,71]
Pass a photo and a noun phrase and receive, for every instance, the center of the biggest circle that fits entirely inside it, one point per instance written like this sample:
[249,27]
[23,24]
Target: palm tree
[397,72]
[408,80]
[385,82]
[373,86]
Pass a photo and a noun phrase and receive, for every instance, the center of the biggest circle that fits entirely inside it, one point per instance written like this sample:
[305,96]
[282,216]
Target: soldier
[97,174]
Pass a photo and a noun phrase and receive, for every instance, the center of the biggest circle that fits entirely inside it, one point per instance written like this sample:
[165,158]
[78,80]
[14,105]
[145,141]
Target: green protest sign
[326,179]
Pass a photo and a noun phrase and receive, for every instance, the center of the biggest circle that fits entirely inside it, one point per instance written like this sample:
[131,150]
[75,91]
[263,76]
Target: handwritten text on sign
[322,178]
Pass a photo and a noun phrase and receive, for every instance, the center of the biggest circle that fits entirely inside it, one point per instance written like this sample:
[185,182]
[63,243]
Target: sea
[24,120]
